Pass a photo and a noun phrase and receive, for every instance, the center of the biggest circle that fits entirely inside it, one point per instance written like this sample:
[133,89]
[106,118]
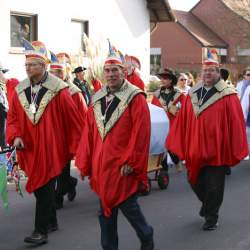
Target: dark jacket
[84,89]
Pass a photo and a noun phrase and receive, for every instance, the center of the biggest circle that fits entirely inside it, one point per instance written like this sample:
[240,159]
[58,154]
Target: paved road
[173,214]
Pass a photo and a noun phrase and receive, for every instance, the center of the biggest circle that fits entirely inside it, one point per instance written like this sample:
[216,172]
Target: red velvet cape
[81,106]
[126,143]
[10,87]
[49,144]
[135,79]
[96,84]
[217,137]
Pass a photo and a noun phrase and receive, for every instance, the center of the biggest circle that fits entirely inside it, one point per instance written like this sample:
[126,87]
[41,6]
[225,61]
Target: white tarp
[159,129]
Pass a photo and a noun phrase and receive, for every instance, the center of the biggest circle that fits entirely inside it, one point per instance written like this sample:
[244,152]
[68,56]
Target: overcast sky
[182,4]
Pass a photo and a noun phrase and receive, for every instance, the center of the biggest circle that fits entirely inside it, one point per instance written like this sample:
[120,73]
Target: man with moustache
[43,124]
[114,153]
[210,135]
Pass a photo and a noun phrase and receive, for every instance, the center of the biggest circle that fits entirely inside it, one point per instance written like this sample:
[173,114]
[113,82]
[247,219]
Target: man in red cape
[9,83]
[66,184]
[133,63]
[170,99]
[114,153]
[10,87]
[210,135]
[43,123]
[6,87]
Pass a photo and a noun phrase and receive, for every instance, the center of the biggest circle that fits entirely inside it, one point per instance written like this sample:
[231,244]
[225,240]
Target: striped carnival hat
[133,61]
[36,50]
[115,57]
[55,64]
[210,62]
[64,57]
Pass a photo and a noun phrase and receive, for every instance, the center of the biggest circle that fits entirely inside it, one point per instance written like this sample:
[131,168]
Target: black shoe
[36,238]
[72,193]
[210,226]
[52,228]
[148,245]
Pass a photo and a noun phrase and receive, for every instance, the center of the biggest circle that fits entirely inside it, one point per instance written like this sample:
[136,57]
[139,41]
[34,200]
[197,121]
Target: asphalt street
[173,213]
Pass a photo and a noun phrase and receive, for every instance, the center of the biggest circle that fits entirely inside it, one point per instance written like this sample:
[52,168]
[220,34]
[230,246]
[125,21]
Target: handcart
[159,130]
[161,175]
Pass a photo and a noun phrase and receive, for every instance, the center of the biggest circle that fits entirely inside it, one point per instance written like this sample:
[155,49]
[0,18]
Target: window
[243,59]
[243,55]
[155,60]
[22,26]
[78,28]
[223,59]
[155,63]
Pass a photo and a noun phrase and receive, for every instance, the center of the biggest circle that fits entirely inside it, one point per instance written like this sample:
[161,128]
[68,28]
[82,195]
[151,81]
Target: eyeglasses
[31,64]
[183,79]
[209,70]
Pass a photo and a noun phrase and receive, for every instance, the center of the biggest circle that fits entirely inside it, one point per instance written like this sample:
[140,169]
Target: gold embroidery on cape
[22,86]
[26,106]
[73,89]
[170,104]
[125,95]
[53,84]
[99,94]
[223,90]
[99,121]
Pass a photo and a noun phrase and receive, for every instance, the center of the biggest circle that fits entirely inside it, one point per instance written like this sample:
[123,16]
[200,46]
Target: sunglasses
[183,79]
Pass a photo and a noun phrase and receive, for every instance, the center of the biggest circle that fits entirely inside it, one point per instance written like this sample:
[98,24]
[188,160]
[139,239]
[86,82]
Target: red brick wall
[233,29]
[179,50]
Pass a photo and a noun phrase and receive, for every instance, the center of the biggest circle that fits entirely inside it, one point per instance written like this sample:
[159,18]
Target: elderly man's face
[114,75]
[34,67]
[210,75]
[129,68]
[58,73]
[80,75]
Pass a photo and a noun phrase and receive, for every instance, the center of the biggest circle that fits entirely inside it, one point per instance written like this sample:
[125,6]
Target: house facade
[61,24]
[220,26]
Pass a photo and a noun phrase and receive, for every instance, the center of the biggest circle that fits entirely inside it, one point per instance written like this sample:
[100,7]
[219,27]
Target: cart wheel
[146,191]
[163,180]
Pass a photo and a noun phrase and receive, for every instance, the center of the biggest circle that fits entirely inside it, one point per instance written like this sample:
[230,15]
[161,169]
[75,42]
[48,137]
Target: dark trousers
[210,191]
[45,207]
[65,183]
[175,159]
[131,210]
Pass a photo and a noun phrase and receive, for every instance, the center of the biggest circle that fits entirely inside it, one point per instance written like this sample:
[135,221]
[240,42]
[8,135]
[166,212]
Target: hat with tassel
[36,50]
[114,57]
